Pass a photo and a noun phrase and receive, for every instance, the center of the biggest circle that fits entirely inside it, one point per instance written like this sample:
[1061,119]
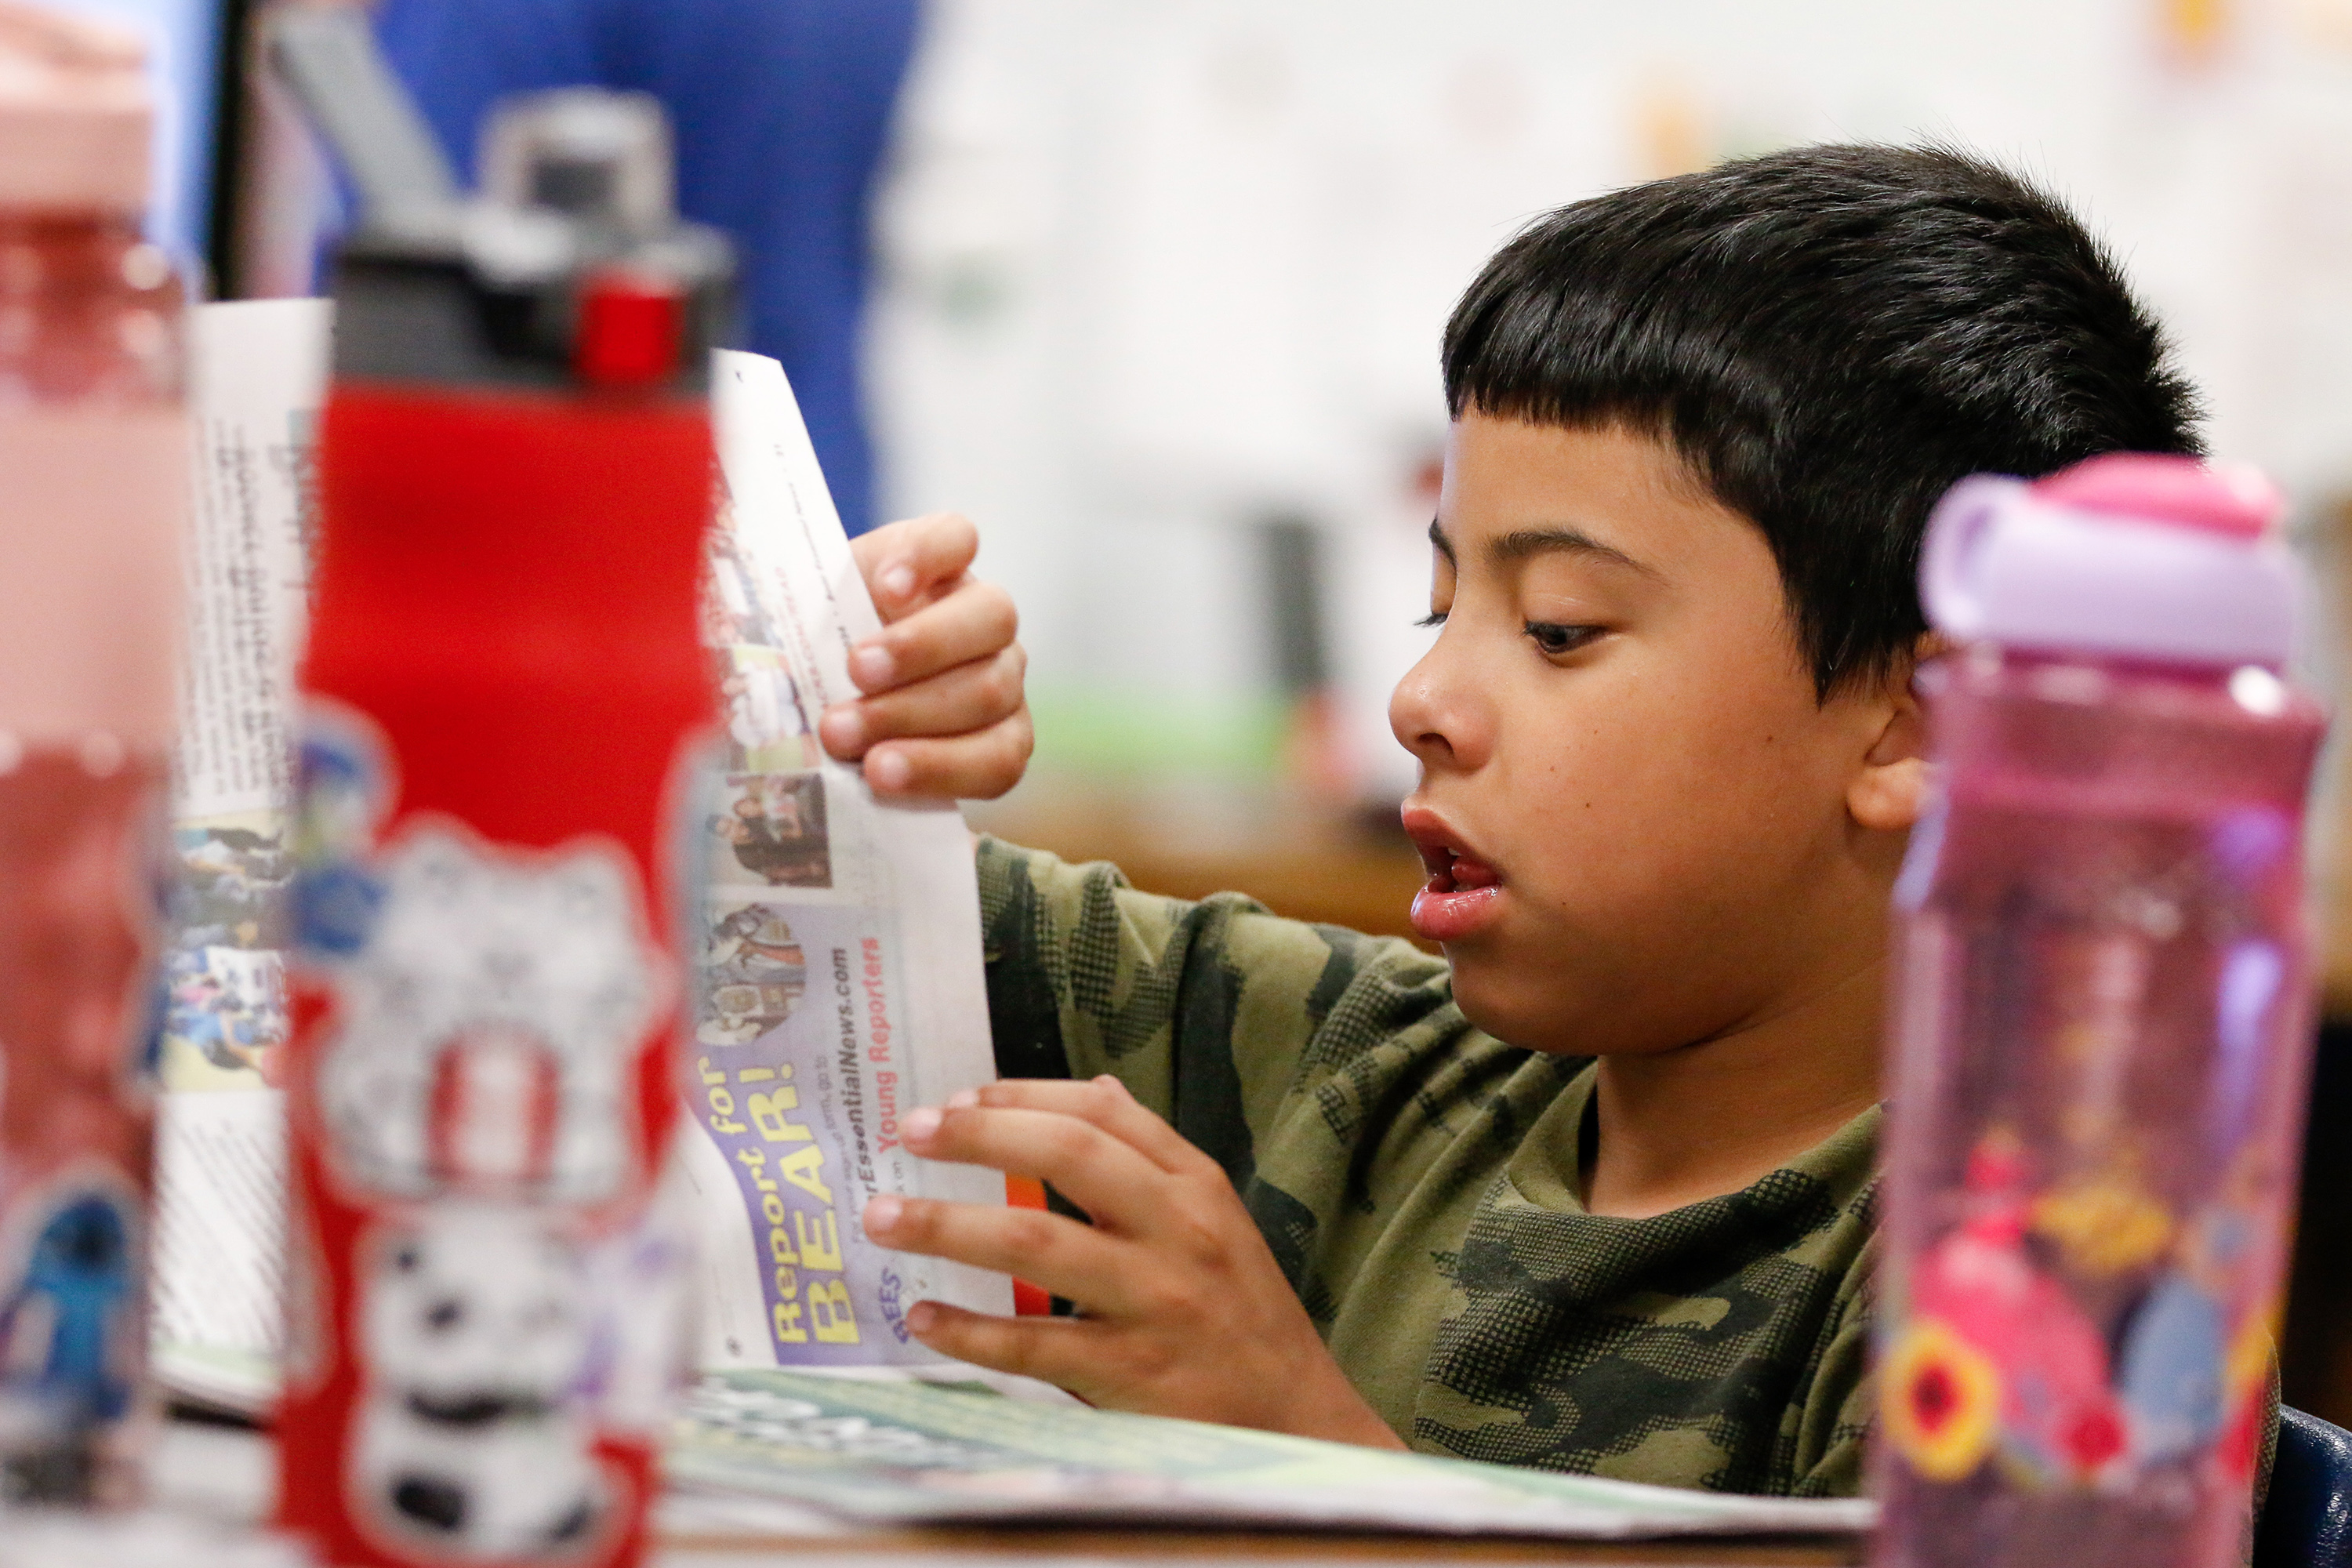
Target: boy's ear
[1890,792]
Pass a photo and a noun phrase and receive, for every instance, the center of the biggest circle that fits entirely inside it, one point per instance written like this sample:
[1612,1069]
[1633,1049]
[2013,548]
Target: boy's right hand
[944,712]
[1182,1309]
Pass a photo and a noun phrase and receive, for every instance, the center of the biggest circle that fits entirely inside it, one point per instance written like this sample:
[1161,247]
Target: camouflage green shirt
[1417,1179]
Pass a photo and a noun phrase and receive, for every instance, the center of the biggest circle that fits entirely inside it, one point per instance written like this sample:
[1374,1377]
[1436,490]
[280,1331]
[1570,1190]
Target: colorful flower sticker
[1941,1398]
[2057,1417]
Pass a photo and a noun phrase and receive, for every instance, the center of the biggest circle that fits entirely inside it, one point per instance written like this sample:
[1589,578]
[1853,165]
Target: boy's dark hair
[1830,337]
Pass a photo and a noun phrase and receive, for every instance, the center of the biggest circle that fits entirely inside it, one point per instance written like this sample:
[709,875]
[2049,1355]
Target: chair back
[2307,1518]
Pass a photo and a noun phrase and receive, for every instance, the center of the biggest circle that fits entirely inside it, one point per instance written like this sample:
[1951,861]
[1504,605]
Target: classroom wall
[1156,272]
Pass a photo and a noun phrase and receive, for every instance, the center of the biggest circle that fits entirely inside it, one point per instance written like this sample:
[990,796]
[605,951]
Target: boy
[1596,1191]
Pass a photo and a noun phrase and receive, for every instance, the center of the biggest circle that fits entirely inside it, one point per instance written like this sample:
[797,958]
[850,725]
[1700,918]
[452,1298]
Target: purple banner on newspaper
[796,1075]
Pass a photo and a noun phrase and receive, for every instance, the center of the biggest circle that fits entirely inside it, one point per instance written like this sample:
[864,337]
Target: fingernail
[887,771]
[882,1213]
[899,580]
[871,666]
[918,1126]
[922,1317]
[963,1100]
[844,730]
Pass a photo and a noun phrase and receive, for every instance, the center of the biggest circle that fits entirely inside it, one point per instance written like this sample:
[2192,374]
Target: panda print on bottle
[476,1432]
[475,1091]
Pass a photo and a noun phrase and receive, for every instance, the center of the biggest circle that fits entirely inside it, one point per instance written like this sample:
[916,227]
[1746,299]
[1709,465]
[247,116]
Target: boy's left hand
[1183,1310]
[944,712]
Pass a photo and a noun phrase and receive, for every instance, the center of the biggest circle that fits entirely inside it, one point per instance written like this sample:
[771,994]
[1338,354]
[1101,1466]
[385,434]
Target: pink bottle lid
[75,113]
[2129,556]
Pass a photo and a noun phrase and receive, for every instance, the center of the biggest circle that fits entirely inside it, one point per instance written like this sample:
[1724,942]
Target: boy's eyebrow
[1523,543]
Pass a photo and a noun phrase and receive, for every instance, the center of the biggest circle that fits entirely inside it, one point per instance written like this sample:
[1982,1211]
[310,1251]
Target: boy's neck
[1677,1127]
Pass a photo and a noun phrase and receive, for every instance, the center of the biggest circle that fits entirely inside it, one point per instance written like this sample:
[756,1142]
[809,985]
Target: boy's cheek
[1654,847]
[1635,953]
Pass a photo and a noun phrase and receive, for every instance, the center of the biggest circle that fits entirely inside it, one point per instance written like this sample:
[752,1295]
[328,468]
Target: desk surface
[942,1547]
[939,1549]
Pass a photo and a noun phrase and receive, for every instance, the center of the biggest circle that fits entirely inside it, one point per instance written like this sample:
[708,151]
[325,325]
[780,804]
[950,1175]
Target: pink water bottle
[93,483]
[2102,1025]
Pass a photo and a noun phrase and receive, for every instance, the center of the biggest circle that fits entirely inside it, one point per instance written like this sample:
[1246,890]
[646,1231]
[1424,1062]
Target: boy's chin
[1549,1006]
[1497,997]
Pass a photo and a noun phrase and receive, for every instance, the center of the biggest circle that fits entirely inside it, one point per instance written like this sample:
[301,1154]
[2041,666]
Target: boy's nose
[1433,717]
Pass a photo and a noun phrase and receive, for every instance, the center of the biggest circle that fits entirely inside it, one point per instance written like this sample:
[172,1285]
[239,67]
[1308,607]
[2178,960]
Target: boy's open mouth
[1463,890]
[1452,873]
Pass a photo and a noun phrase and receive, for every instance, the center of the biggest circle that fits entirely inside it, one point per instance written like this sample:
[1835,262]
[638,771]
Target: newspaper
[838,981]
[836,940]
[911,1453]
[258,374]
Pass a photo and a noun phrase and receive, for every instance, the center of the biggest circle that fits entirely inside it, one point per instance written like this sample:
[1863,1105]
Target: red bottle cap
[632,324]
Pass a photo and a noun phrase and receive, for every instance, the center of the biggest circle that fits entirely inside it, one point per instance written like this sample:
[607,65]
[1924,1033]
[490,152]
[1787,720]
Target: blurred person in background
[782,109]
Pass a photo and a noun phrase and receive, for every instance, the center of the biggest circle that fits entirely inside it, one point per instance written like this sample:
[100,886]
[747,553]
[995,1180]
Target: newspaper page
[838,981]
[902,1453]
[258,381]
[836,940]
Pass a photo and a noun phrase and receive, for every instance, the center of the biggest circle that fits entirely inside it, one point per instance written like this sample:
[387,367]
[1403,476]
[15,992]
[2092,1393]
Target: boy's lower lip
[1452,914]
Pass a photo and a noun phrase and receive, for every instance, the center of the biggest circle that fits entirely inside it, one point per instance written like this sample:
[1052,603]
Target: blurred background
[1152,290]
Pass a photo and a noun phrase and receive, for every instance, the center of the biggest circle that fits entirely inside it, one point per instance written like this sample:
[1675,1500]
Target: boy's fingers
[1051,1250]
[969,767]
[976,621]
[1121,1188]
[1104,1102]
[968,697]
[1060,1351]
[901,560]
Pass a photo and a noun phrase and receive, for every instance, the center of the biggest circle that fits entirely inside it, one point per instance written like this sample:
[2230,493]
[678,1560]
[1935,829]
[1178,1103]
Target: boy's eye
[1434,618]
[1555,638]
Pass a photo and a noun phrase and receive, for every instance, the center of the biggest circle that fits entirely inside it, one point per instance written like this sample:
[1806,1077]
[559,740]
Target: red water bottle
[504,683]
[93,487]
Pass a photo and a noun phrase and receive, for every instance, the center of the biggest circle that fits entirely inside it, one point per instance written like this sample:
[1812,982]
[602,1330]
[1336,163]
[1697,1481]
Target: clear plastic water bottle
[93,489]
[2102,1025]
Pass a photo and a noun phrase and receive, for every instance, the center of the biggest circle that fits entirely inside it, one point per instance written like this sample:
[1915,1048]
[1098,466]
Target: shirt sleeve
[1206,1011]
